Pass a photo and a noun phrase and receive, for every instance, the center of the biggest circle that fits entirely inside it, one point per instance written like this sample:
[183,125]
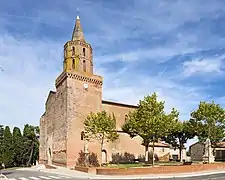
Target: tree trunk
[102,141]
[153,150]
[146,153]
[180,150]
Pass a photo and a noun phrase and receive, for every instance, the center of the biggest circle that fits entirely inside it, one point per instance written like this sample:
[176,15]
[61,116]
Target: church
[79,92]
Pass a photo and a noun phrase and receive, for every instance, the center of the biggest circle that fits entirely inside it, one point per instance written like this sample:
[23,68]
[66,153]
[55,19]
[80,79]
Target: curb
[127,177]
[97,177]
[157,177]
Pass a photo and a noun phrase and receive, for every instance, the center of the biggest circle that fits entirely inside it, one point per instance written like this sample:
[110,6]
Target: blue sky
[173,47]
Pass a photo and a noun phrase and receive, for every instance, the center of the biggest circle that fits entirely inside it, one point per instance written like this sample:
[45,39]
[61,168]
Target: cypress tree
[1,143]
[17,147]
[8,148]
[31,144]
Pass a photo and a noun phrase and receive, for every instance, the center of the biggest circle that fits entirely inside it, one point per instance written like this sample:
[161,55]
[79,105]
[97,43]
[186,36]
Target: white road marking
[11,179]
[23,178]
[54,177]
[65,176]
[44,177]
[35,178]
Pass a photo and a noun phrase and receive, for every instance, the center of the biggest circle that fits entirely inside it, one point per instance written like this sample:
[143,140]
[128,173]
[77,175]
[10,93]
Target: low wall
[57,163]
[159,170]
[85,169]
[49,166]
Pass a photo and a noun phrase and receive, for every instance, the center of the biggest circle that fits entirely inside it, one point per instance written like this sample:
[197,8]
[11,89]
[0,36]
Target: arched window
[83,51]
[73,51]
[82,135]
[49,150]
[73,65]
[84,66]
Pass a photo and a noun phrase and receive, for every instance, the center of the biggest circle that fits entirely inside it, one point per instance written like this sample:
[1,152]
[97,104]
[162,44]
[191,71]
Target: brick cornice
[85,77]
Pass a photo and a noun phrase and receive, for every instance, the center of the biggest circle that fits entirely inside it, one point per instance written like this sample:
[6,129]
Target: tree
[17,147]
[209,121]
[30,144]
[7,148]
[101,127]
[179,135]
[1,143]
[150,122]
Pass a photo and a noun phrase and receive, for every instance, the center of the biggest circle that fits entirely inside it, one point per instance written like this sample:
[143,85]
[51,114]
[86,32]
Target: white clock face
[85,86]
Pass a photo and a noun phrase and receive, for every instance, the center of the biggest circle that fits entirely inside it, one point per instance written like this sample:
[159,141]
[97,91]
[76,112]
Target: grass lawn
[143,165]
[171,163]
[125,165]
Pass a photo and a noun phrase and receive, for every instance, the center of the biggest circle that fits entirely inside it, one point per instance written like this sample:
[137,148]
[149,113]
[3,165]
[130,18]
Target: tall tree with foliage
[30,143]
[150,122]
[8,148]
[101,127]
[179,135]
[17,146]
[209,120]
[1,143]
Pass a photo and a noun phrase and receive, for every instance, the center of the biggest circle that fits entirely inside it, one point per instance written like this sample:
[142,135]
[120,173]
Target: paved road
[35,175]
[32,175]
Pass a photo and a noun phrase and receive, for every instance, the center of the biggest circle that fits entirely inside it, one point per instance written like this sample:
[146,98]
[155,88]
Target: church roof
[159,144]
[119,104]
[77,32]
[50,94]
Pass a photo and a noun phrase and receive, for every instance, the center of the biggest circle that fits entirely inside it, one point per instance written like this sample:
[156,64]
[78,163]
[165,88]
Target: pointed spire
[77,32]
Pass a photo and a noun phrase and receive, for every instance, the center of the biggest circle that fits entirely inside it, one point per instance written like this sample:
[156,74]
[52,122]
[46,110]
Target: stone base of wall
[47,166]
[41,161]
[57,163]
[153,170]
[85,169]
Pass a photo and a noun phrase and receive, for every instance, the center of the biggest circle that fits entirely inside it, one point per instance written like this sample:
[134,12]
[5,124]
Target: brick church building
[79,92]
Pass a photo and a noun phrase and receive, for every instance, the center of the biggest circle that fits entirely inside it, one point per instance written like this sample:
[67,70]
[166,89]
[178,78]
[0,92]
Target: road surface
[36,175]
[32,175]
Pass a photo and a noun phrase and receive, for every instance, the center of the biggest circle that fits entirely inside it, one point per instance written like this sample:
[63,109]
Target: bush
[142,158]
[92,160]
[123,158]
[81,159]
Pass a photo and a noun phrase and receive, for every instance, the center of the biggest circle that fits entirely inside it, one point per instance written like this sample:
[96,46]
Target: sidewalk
[82,175]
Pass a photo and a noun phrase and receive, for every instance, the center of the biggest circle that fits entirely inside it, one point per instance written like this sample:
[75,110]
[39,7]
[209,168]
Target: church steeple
[77,52]
[77,32]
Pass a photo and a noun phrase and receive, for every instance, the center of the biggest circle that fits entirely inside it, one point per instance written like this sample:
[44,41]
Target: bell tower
[79,91]
[77,52]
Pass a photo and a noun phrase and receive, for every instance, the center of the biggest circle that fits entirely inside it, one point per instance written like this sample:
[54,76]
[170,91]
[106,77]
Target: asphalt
[32,175]
[37,175]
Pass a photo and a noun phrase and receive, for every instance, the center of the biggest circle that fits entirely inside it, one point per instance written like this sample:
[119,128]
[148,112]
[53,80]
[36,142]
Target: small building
[175,154]
[197,151]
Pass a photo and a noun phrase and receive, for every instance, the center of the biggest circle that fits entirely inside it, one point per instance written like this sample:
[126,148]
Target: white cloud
[30,68]
[203,65]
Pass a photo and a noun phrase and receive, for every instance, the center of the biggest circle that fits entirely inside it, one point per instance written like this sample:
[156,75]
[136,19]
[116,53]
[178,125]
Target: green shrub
[142,158]
[92,160]
[123,158]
